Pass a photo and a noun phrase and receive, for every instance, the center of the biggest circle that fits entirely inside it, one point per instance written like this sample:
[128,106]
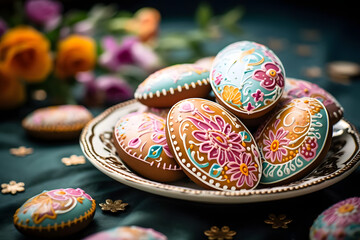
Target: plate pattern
[97,144]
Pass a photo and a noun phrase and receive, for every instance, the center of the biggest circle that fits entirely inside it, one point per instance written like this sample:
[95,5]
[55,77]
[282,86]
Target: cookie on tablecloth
[56,213]
[128,233]
[169,85]
[57,122]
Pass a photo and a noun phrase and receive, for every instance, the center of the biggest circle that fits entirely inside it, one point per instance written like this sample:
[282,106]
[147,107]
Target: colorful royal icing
[213,146]
[295,88]
[248,77]
[59,115]
[170,79]
[142,136]
[340,221]
[52,209]
[292,139]
[128,233]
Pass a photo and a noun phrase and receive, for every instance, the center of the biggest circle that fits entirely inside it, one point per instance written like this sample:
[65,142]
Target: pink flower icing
[269,75]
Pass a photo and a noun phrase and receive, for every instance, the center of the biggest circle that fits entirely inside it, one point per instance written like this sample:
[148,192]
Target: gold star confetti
[216,233]
[21,151]
[111,206]
[12,187]
[73,160]
[278,221]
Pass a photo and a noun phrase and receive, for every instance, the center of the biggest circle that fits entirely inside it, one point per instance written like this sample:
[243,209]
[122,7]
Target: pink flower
[258,95]
[130,52]
[243,170]
[217,138]
[274,145]
[343,213]
[44,12]
[269,75]
[250,107]
[67,193]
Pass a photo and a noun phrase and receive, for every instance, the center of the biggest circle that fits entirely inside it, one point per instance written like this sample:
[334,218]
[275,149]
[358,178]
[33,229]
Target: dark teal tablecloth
[180,219]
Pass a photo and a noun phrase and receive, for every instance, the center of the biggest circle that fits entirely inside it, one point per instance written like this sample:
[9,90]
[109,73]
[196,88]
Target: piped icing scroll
[212,146]
[294,141]
[247,78]
[141,142]
[296,88]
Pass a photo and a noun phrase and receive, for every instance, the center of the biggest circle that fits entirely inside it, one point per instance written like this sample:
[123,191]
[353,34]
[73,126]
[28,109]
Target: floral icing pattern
[248,77]
[340,221]
[292,140]
[141,136]
[54,205]
[213,145]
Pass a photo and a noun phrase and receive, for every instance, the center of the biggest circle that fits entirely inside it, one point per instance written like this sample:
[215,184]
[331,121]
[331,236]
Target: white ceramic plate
[96,143]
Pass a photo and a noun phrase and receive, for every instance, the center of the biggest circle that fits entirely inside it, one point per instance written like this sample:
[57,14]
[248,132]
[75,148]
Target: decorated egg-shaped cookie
[212,146]
[57,122]
[128,233]
[248,79]
[295,88]
[140,141]
[169,85]
[55,213]
[294,141]
[338,222]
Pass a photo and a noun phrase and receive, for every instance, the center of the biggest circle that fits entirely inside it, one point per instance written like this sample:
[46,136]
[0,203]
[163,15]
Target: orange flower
[25,52]
[145,24]
[12,91]
[75,54]
[231,94]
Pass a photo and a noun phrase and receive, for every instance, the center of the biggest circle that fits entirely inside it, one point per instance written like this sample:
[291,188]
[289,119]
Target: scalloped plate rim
[212,196]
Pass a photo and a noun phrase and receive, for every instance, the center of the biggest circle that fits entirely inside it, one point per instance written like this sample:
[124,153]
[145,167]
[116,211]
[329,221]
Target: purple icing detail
[250,178]
[306,89]
[186,107]
[250,107]
[134,143]
[258,95]
[269,75]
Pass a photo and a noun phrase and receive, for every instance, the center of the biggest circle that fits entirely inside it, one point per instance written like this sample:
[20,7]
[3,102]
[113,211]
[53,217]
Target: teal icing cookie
[248,79]
[55,213]
[127,233]
[172,84]
[294,141]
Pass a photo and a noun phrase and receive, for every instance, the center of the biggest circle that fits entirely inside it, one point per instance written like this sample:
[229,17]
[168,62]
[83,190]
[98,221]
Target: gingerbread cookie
[55,213]
[294,141]
[212,146]
[140,141]
[128,233]
[57,122]
[169,85]
[295,88]
[248,79]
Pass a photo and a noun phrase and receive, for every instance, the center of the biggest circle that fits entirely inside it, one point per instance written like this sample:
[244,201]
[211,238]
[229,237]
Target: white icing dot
[203,177]
[173,136]
[188,164]
[193,169]
[175,142]
[183,160]
[198,174]
[177,148]
[211,181]
[225,187]
[180,154]
[248,148]
[233,188]
[217,184]
[171,129]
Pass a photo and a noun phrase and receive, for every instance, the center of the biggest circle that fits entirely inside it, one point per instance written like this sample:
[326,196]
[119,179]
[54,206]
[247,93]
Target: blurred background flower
[96,56]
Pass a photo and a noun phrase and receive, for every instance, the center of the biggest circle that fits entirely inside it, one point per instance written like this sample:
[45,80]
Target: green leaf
[73,17]
[230,19]
[203,15]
